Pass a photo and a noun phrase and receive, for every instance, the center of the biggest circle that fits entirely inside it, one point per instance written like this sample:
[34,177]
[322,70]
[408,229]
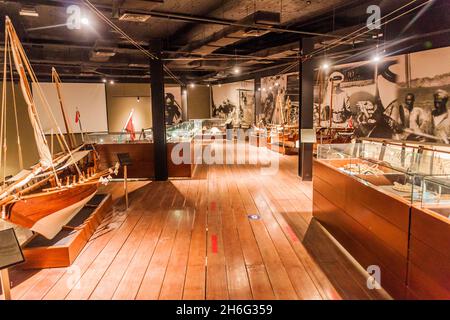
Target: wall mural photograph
[279,99]
[234,102]
[403,97]
[174,111]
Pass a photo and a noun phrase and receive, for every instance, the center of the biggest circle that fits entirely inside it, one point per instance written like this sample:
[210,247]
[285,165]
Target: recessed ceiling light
[192,85]
[236,70]
[104,80]
[112,82]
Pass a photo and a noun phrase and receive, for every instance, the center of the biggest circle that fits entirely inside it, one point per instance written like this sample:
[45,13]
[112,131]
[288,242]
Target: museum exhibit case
[209,127]
[429,256]
[363,194]
[283,139]
[108,145]
[181,136]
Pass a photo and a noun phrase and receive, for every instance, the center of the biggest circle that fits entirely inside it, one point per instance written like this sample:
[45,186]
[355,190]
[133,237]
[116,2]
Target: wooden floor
[193,239]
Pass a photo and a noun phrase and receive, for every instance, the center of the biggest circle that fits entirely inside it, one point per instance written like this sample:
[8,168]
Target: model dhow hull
[47,213]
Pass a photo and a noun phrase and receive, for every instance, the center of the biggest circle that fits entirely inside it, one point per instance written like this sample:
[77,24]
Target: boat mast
[57,81]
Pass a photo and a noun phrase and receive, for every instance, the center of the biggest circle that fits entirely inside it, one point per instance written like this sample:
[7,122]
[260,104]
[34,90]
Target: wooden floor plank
[90,278]
[238,283]
[151,284]
[281,283]
[195,281]
[216,274]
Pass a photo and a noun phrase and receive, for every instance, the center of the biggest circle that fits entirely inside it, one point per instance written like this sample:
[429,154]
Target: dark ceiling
[203,40]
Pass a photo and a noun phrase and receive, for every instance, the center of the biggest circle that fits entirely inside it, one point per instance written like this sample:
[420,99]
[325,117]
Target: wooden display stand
[66,246]
[372,225]
[429,257]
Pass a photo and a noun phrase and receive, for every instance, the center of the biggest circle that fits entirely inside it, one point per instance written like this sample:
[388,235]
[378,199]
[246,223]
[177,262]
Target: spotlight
[85,21]
[325,66]
[237,70]
[104,80]
[376,58]
[192,85]
[112,82]
[259,89]
[207,85]
[264,89]
[277,84]
[220,85]
[185,92]
[270,88]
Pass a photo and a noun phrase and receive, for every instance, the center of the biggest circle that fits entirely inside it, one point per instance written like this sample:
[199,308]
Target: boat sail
[47,196]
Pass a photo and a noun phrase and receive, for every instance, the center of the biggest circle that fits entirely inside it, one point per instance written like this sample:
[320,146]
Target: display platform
[62,250]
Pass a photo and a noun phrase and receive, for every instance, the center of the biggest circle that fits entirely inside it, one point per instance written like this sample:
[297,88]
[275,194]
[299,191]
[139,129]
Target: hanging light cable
[126,36]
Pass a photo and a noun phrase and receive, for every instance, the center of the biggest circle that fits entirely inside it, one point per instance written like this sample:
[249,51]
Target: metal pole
[125,185]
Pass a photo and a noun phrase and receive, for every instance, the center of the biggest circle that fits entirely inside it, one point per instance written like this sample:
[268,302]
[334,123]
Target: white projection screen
[89,98]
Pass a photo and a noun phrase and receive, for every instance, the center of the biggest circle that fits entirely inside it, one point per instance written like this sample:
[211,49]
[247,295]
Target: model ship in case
[45,197]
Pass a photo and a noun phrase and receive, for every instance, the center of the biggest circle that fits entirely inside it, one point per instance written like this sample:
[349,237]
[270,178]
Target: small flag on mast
[129,127]
[77,116]
[78,120]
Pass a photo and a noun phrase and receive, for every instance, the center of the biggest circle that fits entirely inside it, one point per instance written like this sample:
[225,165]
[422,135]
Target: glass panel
[436,195]
[182,132]
[145,136]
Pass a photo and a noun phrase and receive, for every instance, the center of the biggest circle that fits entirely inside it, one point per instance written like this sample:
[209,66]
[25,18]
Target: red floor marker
[292,234]
[214,243]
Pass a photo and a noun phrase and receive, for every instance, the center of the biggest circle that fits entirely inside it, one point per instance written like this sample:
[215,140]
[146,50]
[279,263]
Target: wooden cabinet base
[370,224]
[66,246]
[429,257]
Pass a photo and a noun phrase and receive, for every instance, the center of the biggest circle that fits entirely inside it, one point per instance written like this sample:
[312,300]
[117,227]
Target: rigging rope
[19,146]
[3,116]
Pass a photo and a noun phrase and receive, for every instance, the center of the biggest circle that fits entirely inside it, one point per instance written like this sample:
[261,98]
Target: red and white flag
[129,127]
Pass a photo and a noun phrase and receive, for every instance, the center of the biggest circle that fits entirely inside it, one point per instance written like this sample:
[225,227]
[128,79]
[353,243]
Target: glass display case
[145,136]
[210,126]
[396,169]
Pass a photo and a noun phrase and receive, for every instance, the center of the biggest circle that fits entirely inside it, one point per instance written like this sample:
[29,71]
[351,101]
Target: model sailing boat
[47,196]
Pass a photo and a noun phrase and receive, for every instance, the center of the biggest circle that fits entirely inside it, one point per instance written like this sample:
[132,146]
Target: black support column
[158,113]
[257,97]
[306,72]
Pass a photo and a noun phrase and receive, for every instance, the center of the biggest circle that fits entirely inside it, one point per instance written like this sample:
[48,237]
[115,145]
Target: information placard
[10,251]
[124,159]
